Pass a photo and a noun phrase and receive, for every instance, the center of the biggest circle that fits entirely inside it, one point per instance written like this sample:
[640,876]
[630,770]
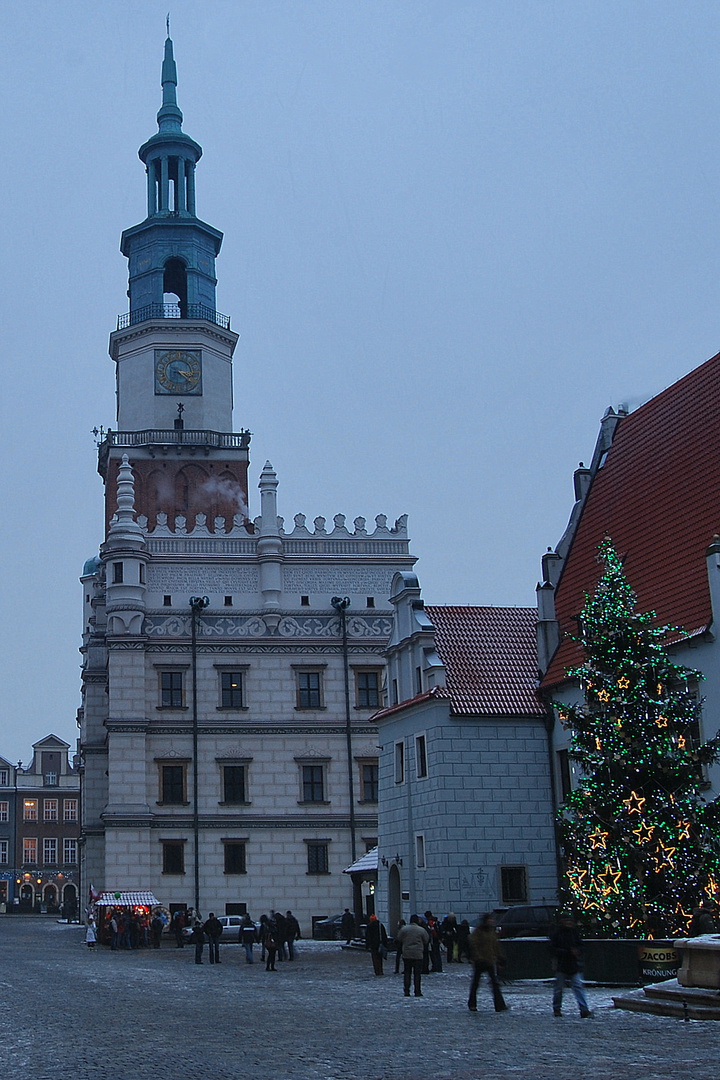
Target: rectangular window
[171,689]
[167,600]
[4,777]
[70,852]
[399,763]
[70,810]
[173,785]
[50,810]
[4,811]
[513,880]
[313,783]
[117,573]
[309,689]
[228,601]
[318,862]
[3,852]
[420,850]
[231,690]
[50,851]
[367,689]
[421,757]
[369,781]
[173,857]
[564,771]
[30,809]
[418,680]
[234,857]
[51,779]
[395,699]
[234,784]
[29,849]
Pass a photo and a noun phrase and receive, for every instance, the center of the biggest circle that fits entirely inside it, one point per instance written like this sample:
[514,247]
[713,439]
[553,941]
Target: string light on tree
[640,844]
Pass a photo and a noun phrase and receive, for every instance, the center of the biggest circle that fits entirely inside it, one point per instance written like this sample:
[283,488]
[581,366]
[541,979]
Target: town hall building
[231,667]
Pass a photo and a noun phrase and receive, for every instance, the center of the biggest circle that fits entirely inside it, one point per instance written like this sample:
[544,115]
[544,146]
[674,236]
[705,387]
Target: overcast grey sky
[455,232]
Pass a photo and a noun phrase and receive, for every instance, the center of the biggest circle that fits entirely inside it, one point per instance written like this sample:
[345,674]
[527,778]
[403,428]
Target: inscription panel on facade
[201,579]
[371,580]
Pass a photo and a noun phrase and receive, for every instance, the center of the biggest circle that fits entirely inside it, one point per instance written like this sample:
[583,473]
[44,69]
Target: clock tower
[173,350]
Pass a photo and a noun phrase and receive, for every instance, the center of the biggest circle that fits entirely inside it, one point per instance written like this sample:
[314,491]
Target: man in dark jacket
[292,933]
[347,925]
[376,941]
[213,930]
[566,948]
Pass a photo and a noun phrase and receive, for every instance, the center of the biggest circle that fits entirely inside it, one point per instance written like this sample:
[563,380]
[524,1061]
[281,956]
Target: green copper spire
[169,117]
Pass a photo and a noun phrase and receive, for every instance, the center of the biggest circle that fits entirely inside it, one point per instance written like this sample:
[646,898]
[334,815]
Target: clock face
[178,371]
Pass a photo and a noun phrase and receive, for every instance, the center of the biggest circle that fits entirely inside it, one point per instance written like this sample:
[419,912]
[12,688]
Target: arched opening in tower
[175,285]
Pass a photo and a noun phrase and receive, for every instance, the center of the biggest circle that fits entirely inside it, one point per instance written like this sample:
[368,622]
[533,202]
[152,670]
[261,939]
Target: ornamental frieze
[253,627]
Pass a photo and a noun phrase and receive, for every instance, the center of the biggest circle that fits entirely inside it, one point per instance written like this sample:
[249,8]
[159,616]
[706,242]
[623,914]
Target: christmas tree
[639,844]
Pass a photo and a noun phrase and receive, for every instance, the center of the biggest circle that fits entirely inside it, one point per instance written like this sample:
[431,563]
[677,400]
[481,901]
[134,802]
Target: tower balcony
[157,442]
[173,311]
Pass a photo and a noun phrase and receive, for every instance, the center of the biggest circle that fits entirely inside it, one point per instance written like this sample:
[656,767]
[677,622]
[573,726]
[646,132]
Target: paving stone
[68,1012]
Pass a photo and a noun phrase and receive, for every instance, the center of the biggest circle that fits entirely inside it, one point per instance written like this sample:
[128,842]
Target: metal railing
[179,437]
[172,311]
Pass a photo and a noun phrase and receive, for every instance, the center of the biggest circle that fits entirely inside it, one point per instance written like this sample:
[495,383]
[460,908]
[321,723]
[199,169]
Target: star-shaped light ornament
[623,683]
[662,721]
[682,742]
[659,688]
[598,839]
[684,833]
[712,889]
[610,878]
[634,803]
[598,744]
[644,832]
[664,859]
[603,696]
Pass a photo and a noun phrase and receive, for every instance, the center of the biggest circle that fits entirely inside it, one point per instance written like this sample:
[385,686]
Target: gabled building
[653,487]
[465,800]
[231,667]
[40,830]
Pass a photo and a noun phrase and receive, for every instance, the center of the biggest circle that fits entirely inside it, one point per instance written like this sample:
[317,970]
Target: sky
[455,233]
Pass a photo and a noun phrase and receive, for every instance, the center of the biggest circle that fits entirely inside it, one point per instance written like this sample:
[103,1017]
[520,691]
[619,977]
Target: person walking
[247,936]
[213,930]
[197,938]
[376,941]
[292,933]
[448,935]
[413,940]
[566,948]
[347,925]
[486,954]
[433,929]
[156,929]
[271,946]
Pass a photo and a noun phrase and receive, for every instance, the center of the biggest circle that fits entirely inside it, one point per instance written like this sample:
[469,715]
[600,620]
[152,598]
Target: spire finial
[167,23]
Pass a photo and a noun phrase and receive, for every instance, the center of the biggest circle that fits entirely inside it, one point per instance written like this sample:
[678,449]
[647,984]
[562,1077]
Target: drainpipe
[197,604]
[341,605]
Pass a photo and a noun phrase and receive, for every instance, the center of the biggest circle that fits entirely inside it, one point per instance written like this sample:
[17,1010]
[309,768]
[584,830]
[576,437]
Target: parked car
[331,929]
[529,920]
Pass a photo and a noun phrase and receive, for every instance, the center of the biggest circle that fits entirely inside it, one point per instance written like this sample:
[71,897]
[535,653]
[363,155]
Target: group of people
[276,935]
[126,928]
[418,944]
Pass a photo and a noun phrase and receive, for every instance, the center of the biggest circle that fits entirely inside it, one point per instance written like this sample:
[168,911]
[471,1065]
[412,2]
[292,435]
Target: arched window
[175,285]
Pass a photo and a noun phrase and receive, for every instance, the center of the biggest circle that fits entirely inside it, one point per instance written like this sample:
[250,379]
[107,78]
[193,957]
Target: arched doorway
[27,897]
[394,904]
[50,897]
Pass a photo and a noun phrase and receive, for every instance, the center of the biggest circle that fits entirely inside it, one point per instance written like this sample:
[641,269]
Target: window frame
[4,777]
[506,894]
[360,673]
[70,845]
[232,844]
[240,672]
[420,852]
[172,763]
[242,766]
[421,757]
[30,805]
[70,809]
[30,844]
[170,695]
[306,696]
[4,810]
[167,847]
[309,784]
[363,764]
[50,805]
[4,852]
[50,845]
[318,857]
[399,761]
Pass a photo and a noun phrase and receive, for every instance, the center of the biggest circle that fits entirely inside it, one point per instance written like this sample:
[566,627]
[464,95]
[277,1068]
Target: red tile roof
[658,498]
[490,657]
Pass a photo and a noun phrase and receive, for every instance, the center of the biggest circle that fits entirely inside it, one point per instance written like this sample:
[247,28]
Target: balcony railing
[182,437]
[173,311]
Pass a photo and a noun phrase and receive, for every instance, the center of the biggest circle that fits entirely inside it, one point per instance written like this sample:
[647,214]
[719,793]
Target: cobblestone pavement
[71,1014]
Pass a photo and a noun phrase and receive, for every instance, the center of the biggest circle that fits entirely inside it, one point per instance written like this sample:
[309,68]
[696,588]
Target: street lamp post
[197,605]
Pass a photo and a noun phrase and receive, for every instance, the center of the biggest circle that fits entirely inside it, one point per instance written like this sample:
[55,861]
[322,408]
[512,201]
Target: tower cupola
[171,254]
